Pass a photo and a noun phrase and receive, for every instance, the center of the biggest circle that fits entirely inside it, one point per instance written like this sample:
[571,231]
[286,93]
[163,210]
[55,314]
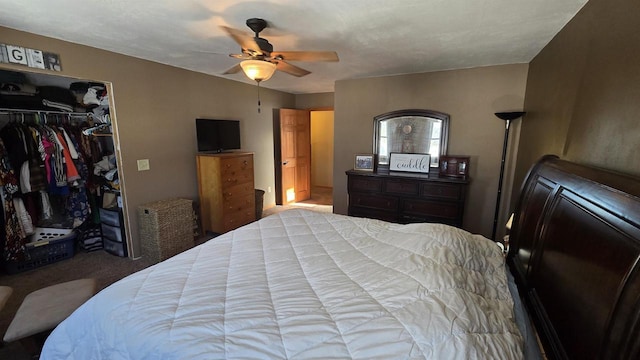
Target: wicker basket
[166,228]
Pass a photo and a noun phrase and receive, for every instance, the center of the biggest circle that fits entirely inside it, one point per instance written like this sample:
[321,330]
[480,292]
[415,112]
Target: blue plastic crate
[50,245]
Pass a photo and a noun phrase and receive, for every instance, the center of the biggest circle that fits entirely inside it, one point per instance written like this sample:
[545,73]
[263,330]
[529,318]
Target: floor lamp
[508,117]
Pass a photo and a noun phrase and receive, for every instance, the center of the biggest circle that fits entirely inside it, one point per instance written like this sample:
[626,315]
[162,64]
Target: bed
[575,255]
[302,284]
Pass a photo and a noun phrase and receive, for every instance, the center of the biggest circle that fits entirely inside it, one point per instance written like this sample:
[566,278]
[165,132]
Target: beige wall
[322,148]
[583,92]
[315,101]
[470,97]
[155,108]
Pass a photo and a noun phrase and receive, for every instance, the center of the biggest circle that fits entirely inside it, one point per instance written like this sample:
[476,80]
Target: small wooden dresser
[226,190]
[406,197]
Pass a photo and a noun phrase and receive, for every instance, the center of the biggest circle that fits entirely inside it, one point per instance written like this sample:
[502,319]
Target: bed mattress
[303,284]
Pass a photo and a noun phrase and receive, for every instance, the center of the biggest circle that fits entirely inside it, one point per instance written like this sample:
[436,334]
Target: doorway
[322,156]
[314,179]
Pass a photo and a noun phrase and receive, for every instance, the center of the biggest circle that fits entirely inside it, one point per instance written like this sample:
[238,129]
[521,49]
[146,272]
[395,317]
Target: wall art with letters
[33,58]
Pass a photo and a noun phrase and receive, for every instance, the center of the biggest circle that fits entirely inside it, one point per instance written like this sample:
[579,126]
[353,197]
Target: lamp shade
[511,115]
[258,70]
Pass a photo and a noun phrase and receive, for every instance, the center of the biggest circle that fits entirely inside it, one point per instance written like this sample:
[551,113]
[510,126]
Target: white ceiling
[372,37]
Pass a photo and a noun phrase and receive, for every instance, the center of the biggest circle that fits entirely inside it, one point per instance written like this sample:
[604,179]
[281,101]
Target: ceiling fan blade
[291,69]
[305,55]
[235,69]
[247,42]
[241,56]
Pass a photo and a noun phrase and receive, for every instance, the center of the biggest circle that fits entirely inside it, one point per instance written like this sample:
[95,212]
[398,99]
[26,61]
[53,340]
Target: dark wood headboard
[574,251]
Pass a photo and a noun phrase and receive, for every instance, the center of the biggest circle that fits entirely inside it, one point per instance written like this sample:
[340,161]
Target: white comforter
[303,284]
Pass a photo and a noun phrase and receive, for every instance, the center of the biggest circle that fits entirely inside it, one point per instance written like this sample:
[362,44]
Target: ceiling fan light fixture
[258,70]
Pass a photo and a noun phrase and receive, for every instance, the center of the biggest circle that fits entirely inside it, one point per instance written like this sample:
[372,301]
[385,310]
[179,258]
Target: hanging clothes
[13,238]
[36,165]
[26,223]
[70,168]
[52,158]
[14,145]
[58,183]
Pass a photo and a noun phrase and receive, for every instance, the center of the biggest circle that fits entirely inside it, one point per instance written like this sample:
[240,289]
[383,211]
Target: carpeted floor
[102,266]
[321,200]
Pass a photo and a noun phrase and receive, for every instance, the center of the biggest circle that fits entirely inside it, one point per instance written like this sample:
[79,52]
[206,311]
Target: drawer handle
[232,180]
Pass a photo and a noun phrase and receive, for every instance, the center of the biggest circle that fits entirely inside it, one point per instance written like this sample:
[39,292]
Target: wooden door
[293,155]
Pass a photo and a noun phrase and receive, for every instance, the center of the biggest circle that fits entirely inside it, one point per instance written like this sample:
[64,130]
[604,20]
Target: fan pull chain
[258,97]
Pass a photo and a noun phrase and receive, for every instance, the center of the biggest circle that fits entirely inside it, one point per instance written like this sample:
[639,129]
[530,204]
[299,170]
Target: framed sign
[364,162]
[409,162]
[454,166]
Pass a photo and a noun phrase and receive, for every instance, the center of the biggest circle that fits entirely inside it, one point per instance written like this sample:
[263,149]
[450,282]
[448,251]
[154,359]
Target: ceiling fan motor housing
[258,25]
[265,46]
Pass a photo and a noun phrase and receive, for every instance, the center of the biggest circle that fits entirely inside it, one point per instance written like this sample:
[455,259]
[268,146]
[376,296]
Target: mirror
[410,131]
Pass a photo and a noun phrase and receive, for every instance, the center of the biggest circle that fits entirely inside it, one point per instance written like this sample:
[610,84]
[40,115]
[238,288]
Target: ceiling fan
[260,60]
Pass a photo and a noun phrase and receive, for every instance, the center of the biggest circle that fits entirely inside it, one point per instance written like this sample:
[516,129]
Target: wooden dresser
[226,190]
[406,197]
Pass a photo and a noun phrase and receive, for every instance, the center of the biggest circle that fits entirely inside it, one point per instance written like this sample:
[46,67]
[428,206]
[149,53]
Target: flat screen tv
[217,135]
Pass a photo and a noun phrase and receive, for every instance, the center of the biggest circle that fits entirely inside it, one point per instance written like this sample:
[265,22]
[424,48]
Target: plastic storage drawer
[112,227]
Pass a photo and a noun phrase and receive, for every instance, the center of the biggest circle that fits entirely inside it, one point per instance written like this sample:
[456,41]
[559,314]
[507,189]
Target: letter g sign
[17,54]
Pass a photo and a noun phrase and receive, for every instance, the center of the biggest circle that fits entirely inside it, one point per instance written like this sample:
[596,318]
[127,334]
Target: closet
[58,170]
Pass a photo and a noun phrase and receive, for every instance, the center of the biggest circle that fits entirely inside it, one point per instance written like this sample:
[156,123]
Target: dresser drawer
[401,187]
[391,216]
[235,165]
[442,191]
[236,178]
[238,203]
[364,183]
[432,209]
[373,201]
[237,191]
[235,220]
